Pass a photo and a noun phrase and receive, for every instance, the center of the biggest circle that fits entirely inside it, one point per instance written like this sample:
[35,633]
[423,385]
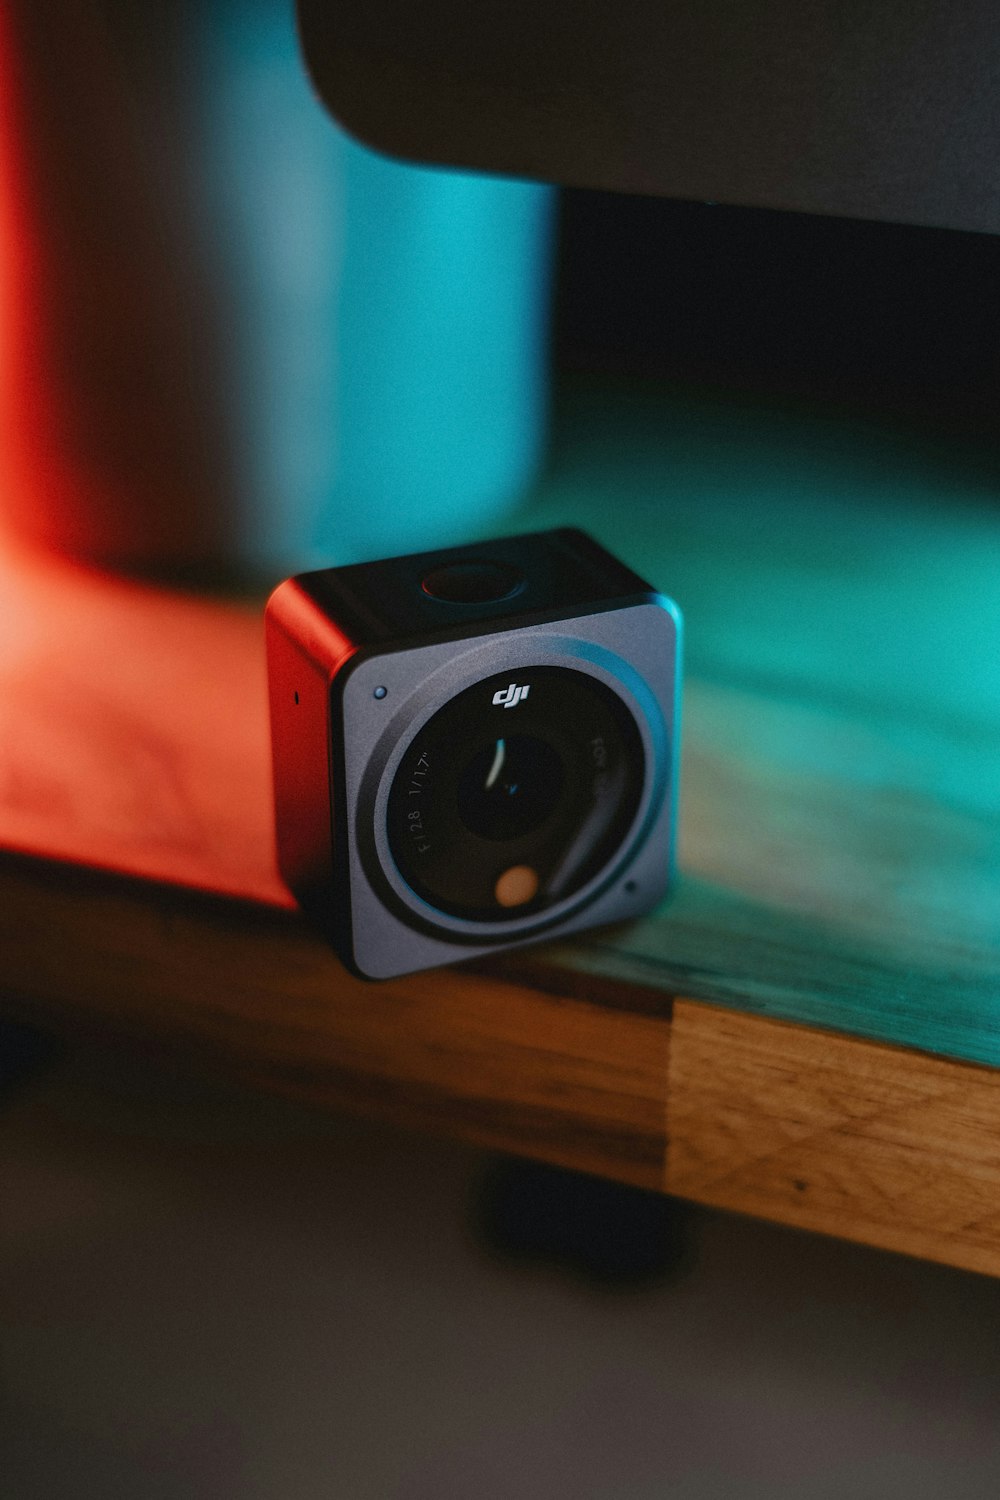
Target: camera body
[473,748]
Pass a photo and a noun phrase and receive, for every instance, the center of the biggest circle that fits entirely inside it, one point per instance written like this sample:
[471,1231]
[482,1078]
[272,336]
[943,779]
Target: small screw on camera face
[473,748]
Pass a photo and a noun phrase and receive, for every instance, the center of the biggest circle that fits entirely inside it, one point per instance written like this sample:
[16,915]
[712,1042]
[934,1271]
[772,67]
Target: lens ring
[473,796]
[432,693]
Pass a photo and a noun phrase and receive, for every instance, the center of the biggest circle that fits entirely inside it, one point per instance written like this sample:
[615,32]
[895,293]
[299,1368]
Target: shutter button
[473,582]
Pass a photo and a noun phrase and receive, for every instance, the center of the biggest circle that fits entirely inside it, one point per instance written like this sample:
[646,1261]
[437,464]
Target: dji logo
[510,697]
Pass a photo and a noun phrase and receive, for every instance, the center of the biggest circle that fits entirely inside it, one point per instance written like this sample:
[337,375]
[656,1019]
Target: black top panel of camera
[543,575]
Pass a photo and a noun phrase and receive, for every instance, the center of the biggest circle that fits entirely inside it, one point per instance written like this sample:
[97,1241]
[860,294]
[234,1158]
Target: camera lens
[515,794]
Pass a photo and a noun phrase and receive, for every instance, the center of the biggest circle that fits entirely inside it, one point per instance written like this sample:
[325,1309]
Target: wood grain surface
[867,1142]
[839,849]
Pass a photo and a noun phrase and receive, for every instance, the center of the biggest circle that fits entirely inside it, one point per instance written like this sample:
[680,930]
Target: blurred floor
[210,1294]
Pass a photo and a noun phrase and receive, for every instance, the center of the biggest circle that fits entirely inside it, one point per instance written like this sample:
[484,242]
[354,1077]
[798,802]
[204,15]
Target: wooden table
[808,1031]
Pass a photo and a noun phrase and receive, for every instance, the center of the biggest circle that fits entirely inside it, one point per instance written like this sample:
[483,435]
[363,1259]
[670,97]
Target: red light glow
[133,719]
[20,394]
[133,729]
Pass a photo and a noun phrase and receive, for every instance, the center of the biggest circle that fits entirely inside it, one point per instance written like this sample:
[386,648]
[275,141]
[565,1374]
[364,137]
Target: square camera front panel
[369,730]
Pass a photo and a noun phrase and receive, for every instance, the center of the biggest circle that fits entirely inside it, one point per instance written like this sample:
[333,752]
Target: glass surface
[516,794]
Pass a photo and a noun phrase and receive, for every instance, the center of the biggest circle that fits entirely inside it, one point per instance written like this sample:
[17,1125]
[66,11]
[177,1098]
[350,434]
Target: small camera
[473,748]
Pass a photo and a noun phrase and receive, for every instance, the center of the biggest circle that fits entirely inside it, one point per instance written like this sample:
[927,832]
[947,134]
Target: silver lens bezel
[478,662]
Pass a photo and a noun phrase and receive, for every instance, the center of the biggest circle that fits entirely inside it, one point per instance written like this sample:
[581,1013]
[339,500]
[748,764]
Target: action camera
[473,748]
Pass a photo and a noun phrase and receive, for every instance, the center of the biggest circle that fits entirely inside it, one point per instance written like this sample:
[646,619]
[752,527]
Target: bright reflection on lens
[497,764]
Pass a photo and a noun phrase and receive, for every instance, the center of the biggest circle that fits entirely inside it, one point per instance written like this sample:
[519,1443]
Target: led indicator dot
[380,692]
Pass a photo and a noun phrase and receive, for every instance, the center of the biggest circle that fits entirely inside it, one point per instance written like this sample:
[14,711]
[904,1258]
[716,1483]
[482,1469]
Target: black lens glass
[515,794]
[510,787]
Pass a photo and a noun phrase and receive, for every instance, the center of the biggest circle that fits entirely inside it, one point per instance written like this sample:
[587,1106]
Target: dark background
[884,319]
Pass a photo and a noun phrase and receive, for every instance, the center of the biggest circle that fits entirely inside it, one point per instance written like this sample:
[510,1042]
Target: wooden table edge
[790,1123]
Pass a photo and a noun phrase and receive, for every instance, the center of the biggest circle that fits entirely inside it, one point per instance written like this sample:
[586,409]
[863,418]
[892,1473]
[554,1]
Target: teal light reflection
[389,322]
